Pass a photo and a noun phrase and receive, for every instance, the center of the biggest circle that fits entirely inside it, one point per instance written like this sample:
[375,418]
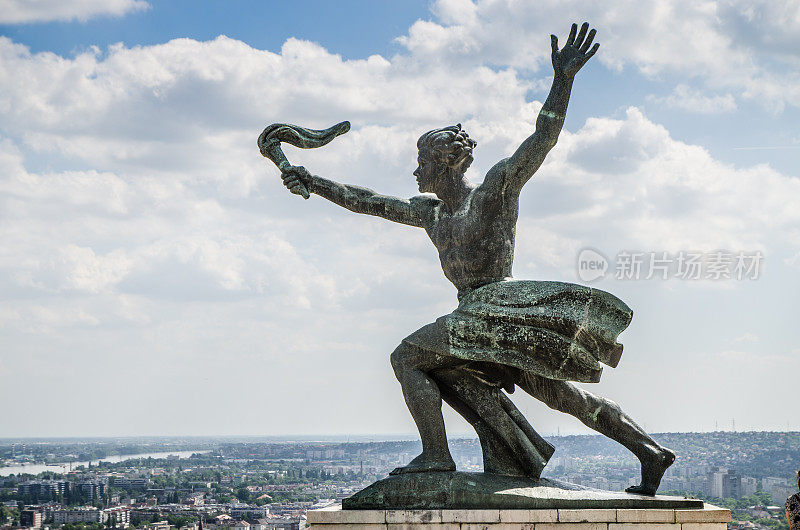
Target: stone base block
[707,518]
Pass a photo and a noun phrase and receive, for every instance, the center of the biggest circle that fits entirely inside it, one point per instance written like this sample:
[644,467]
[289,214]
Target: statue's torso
[476,242]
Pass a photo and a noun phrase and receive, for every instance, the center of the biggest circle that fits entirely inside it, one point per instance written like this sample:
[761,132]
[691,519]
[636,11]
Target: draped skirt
[557,330]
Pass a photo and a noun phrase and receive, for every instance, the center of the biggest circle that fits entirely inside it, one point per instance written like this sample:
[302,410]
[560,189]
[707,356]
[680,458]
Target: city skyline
[156,279]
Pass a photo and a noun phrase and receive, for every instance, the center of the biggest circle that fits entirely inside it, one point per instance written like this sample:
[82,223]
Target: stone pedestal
[458,490]
[707,518]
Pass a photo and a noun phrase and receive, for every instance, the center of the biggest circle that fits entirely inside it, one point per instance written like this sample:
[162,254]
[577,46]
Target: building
[132,483]
[749,486]
[714,486]
[92,489]
[246,511]
[779,494]
[778,488]
[45,509]
[280,523]
[194,499]
[732,485]
[43,489]
[767,483]
[724,483]
[30,518]
[87,514]
[120,516]
[160,525]
[223,519]
[241,525]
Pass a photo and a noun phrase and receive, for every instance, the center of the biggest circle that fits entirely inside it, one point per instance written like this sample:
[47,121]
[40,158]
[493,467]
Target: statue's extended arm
[355,198]
[566,63]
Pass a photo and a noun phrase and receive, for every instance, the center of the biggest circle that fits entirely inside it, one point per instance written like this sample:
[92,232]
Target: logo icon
[592,265]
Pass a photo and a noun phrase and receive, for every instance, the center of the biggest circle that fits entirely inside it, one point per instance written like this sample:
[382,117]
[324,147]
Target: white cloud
[746,338]
[686,98]
[626,184]
[175,121]
[31,11]
[745,47]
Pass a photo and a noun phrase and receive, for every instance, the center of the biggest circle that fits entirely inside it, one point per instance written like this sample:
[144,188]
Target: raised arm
[355,198]
[566,63]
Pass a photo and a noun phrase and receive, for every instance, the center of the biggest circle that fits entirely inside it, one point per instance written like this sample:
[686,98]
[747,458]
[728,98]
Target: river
[35,469]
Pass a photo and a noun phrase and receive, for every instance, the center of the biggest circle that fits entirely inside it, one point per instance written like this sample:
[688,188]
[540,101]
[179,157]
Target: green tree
[179,520]
[243,494]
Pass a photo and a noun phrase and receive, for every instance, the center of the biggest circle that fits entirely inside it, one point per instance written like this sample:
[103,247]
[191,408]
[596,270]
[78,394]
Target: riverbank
[65,467]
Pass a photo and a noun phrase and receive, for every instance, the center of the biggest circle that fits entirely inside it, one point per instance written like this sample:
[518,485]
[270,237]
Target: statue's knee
[600,409]
[610,408]
[397,358]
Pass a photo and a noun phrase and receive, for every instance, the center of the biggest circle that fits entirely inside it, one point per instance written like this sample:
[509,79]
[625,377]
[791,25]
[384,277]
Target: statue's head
[443,153]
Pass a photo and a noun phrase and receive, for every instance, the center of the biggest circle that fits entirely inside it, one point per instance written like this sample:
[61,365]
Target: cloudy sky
[156,278]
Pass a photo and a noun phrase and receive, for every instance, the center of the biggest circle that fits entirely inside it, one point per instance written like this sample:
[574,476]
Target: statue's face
[427,173]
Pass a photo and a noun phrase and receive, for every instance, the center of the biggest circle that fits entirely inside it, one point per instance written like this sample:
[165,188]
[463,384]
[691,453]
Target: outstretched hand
[295,178]
[569,59]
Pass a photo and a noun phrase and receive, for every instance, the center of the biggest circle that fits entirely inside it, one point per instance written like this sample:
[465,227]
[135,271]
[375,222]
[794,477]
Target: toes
[640,490]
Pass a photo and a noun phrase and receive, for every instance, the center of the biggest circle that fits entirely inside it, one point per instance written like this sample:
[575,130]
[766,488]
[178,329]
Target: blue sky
[354,29]
[147,246]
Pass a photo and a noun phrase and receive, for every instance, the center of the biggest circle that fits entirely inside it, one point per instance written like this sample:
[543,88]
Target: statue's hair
[451,146]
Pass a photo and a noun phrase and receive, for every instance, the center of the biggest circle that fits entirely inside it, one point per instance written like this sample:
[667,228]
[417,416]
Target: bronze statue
[536,335]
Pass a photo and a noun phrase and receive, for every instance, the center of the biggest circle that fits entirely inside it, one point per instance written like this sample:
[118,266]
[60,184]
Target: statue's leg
[507,439]
[424,401]
[605,417]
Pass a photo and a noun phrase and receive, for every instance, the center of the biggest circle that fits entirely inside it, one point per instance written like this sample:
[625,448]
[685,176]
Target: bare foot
[423,463]
[653,467]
